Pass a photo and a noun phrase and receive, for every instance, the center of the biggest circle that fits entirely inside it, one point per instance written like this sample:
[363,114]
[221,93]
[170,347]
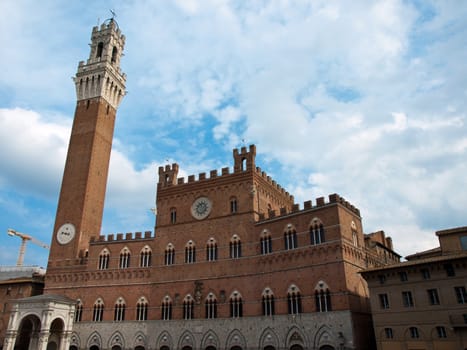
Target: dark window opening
[100,48]
[433,296]
[403,276]
[407,299]
[114,55]
[449,270]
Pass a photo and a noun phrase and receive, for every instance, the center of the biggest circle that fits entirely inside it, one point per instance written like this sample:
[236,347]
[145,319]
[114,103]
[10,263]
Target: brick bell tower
[100,87]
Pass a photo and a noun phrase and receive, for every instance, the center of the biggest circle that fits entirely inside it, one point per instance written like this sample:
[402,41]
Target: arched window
[316,232]
[190,253]
[100,48]
[235,247]
[114,54]
[353,228]
[243,164]
[98,310]
[142,309]
[233,205]
[294,301]
[211,306]
[268,302]
[104,258]
[441,332]
[322,297]
[166,308]
[290,237]
[119,310]
[173,215]
[145,257]
[188,307]
[414,333]
[169,258]
[236,305]
[211,250]
[125,258]
[266,242]
[79,311]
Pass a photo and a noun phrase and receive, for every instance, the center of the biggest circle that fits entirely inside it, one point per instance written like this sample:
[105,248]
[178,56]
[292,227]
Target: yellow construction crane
[24,238]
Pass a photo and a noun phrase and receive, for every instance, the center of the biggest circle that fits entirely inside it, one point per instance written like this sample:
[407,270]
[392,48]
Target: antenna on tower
[113,14]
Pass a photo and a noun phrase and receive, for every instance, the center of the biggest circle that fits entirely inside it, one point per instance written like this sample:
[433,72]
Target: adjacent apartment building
[422,303]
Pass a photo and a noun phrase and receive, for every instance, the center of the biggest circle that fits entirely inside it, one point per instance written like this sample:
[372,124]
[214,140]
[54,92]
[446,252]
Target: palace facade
[234,263]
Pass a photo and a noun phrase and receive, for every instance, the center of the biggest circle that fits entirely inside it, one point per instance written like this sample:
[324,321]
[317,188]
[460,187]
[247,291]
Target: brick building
[422,303]
[234,262]
[17,282]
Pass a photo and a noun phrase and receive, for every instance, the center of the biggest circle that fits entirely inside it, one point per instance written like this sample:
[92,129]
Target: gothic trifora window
[166,308]
[211,250]
[188,306]
[119,310]
[290,238]
[236,305]
[125,258]
[266,242]
[211,306]
[142,309]
[322,297]
[316,232]
[190,253]
[294,301]
[104,257]
[235,247]
[145,257]
[268,302]
[98,310]
[169,257]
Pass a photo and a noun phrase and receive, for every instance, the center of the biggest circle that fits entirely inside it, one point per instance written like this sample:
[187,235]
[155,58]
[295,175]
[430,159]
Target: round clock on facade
[65,233]
[201,208]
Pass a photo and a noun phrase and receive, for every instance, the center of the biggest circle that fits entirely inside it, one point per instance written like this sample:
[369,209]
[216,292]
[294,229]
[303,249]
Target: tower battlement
[308,205]
[101,75]
[119,237]
[244,160]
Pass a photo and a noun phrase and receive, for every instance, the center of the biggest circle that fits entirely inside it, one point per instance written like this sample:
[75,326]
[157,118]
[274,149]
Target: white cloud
[33,151]
[366,101]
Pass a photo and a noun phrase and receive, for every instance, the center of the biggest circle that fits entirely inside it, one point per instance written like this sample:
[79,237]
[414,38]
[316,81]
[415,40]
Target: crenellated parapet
[273,183]
[122,237]
[320,202]
[244,161]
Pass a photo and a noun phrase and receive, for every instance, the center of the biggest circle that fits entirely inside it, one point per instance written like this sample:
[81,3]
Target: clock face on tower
[66,233]
[201,208]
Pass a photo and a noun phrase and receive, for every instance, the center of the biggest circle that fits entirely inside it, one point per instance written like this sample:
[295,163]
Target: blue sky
[365,99]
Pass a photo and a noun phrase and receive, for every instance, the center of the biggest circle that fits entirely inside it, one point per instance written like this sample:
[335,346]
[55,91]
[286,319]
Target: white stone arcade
[42,322]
